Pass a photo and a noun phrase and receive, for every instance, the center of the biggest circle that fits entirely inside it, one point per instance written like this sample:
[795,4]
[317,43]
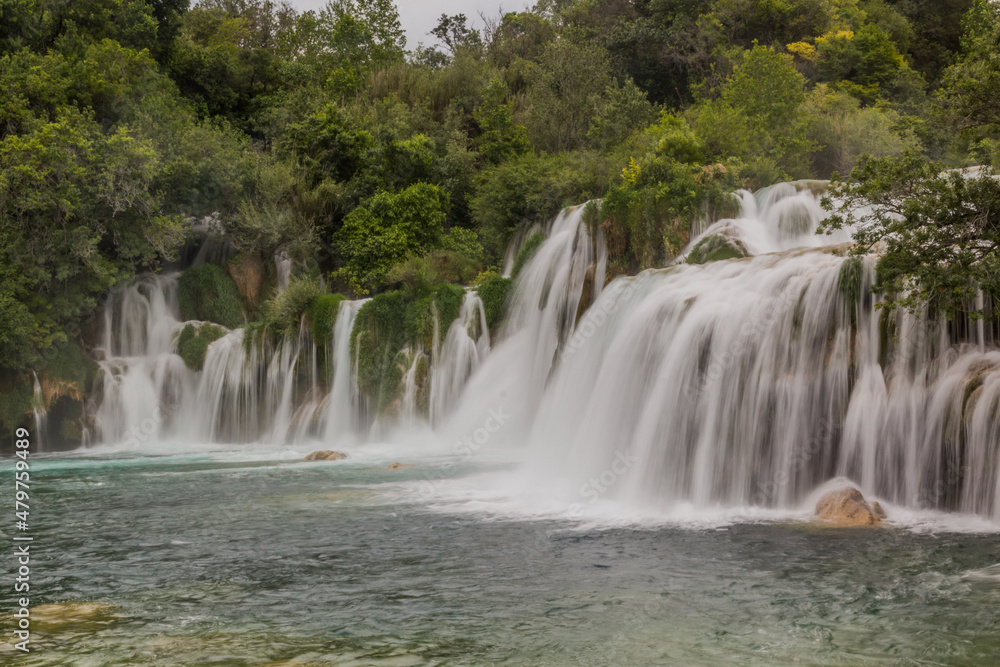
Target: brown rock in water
[325,455]
[397,466]
[877,510]
[846,507]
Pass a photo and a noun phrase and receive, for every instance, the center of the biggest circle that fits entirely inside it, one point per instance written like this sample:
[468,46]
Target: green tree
[939,231]
[387,227]
[972,86]
[756,116]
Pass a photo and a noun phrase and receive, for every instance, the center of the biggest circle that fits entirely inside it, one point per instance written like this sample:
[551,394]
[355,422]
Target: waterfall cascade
[733,382]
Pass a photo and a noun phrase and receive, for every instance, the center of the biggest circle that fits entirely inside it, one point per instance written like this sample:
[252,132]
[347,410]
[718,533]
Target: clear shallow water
[254,558]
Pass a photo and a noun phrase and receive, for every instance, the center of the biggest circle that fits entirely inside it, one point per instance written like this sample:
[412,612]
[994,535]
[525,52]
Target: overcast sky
[419,17]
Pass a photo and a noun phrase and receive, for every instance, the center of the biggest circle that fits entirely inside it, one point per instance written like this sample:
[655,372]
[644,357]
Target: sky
[419,17]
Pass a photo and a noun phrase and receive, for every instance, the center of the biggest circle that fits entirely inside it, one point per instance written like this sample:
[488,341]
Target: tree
[455,34]
[971,89]
[938,232]
[564,95]
[387,227]
[756,116]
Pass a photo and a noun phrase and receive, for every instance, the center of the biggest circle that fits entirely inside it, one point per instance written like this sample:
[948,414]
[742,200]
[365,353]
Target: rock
[717,247]
[846,507]
[397,466]
[877,510]
[64,616]
[325,455]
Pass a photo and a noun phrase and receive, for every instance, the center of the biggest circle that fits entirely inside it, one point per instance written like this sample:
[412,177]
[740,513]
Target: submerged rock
[847,507]
[397,466]
[72,616]
[325,455]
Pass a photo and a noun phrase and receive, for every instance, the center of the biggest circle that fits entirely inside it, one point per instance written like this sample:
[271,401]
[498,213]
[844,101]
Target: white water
[736,384]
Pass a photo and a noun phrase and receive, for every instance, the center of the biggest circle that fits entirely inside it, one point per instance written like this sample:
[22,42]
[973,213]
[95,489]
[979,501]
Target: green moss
[379,334]
[716,248]
[851,279]
[527,251]
[210,294]
[389,327]
[67,363]
[322,313]
[16,396]
[193,343]
[494,292]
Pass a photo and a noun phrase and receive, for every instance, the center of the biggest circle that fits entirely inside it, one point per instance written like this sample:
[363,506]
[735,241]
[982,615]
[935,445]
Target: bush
[209,294]
[716,248]
[526,252]
[437,267]
[386,228]
[322,314]
[193,343]
[494,290]
[389,324]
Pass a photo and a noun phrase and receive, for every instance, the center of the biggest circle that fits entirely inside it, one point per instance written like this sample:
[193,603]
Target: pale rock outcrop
[847,507]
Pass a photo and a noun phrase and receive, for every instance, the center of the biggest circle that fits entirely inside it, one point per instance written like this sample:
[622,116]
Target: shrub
[526,252]
[209,294]
[494,290]
[716,248]
[387,227]
[193,343]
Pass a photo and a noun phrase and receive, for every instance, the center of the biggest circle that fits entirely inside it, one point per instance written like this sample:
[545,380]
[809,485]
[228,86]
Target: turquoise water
[253,558]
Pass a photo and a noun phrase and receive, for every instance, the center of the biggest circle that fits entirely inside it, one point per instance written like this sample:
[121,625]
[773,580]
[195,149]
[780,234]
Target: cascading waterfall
[737,382]
[143,381]
[465,346]
[755,381]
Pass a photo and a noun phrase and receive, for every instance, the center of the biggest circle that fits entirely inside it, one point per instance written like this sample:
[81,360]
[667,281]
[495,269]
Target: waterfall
[754,381]
[748,381]
[144,382]
[465,346]
[541,317]
[39,412]
[343,414]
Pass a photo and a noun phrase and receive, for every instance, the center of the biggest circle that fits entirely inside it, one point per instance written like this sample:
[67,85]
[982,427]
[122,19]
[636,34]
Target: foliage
[322,314]
[392,323]
[844,131]
[972,85]
[132,128]
[756,119]
[494,290]
[435,268]
[938,232]
[527,251]
[386,228]
[208,293]
[193,342]
[715,248]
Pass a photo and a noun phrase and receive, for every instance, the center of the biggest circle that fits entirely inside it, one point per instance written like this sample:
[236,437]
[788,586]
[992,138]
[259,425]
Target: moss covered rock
[210,294]
[390,328]
[716,247]
[193,343]
[494,292]
[322,313]
[527,251]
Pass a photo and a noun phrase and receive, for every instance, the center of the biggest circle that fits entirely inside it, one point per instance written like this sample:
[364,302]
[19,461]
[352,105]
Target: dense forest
[320,144]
